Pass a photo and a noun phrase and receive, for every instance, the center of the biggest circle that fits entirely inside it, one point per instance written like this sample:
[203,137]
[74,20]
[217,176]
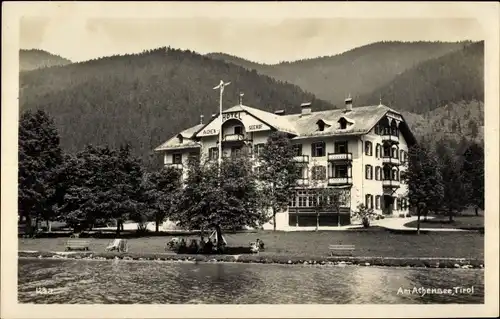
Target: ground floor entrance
[387,204]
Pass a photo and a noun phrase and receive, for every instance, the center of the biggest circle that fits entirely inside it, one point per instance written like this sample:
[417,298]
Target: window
[318,149]
[213,153]
[368,148]
[302,199]
[368,172]
[395,175]
[318,172]
[180,138]
[378,150]
[394,152]
[258,149]
[343,123]
[235,151]
[369,201]
[340,147]
[402,155]
[377,202]
[238,130]
[177,158]
[297,149]
[340,171]
[387,151]
[399,205]
[402,176]
[321,126]
[378,171]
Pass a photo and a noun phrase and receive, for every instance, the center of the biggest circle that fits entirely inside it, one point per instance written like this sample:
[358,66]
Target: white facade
[360,151]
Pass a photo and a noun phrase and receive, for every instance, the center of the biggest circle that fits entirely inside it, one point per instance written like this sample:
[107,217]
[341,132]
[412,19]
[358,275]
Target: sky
[257,39]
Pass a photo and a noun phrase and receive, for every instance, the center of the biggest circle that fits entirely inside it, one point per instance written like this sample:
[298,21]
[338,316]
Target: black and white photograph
[249,154]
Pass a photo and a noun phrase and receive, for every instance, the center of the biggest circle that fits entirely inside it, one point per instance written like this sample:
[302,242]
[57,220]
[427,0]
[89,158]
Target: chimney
[279,112]
[214,115]
[306,108]
[348,104]
[201,119]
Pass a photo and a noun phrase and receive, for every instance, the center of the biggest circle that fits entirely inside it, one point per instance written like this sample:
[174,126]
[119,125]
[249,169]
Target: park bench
[77,244]
[341,249]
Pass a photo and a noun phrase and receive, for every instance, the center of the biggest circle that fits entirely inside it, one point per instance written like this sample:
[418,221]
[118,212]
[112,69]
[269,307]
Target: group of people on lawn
[206,246]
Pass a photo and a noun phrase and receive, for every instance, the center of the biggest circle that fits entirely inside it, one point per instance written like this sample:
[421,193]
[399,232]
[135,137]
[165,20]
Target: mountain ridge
[33,59]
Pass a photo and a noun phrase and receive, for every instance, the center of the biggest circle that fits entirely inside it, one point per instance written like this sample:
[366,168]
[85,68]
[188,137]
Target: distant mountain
[146,98]
[36,59]
[454,77]
[357,72]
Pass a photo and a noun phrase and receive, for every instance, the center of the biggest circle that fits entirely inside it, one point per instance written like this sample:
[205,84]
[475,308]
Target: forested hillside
[454,77]
[357,72]
[453,123]
[36,59]
[145,98]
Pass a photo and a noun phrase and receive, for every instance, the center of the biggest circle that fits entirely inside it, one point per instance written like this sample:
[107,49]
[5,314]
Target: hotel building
[361,151]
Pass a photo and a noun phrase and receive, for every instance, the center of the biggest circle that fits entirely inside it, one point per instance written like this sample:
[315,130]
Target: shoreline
[412,262]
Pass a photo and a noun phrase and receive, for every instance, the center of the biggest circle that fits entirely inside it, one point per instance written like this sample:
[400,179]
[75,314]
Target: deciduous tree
[425,183]
[279,172]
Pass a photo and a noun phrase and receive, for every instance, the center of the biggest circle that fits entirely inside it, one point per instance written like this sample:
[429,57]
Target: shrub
[365,214]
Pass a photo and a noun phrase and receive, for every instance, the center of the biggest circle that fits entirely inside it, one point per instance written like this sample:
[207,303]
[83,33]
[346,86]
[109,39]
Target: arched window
[368,148]
[378,151]
[394,152]
[377,202]
[395,174]
[368,172]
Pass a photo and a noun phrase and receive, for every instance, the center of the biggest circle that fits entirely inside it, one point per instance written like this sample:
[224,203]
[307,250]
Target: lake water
[154,282]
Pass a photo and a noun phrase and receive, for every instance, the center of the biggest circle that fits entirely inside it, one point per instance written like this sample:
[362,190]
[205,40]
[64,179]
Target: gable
[250,122]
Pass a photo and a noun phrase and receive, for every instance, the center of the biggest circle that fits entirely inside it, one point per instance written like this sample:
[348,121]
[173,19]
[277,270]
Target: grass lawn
[369,243]
[462,222]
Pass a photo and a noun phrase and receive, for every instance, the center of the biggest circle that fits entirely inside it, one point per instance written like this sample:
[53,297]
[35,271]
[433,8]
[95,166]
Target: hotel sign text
[228,116]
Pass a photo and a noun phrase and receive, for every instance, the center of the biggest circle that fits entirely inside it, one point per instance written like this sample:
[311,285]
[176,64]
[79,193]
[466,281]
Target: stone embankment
[425,262]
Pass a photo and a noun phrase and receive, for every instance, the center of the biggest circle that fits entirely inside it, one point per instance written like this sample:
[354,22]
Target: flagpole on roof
[220,87]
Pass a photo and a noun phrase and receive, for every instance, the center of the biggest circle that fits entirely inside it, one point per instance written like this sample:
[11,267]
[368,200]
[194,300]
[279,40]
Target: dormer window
[180,138]
[322,125]
[344,122]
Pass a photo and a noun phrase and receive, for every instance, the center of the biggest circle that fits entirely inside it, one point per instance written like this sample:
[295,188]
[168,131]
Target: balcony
[174,165]
[339,157]
[389,138]
[301,159]
[302,182]
[336,181]
[234,137]
[390,160]
[390,183]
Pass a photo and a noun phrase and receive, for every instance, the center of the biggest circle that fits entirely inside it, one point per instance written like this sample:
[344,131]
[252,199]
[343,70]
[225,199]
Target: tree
[103,185]
[280,173]
[223,198]
[425,183]
[162,188]
[40,160]
[473,171]
[454,195]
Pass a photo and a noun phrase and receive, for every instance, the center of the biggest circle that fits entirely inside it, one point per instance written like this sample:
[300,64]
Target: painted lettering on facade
[255,127]
[228,116]
[209,132]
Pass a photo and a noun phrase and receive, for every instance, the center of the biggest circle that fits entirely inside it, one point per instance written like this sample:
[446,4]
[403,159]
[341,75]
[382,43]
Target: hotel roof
[362,119]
